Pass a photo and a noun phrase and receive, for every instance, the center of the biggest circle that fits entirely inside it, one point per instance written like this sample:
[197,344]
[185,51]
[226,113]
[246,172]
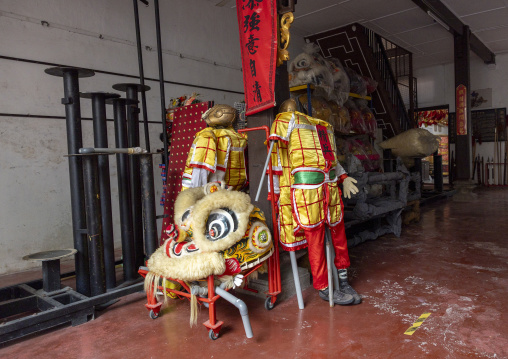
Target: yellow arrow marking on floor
[417,324]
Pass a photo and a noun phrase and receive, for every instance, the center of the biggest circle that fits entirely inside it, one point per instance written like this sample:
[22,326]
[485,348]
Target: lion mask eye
[185,215]
[186,221]
[220,223]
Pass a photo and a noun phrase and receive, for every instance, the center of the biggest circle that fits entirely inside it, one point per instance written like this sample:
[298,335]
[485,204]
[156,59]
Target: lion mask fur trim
[185,200]
[188,268]
[238,202]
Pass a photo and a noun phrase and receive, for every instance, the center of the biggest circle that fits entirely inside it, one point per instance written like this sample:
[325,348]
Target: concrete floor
[452,264]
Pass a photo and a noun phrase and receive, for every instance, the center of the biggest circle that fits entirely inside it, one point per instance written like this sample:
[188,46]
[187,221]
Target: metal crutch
[292,254]
[329,265]
[335,272]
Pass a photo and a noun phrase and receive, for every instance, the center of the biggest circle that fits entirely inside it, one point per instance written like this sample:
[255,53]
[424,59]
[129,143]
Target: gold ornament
[282,52]
[220,115]
[288,106]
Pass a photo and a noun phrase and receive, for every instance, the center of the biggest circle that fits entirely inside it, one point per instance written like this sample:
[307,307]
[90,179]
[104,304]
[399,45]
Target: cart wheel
[268,303]
[213,335]
[154,315]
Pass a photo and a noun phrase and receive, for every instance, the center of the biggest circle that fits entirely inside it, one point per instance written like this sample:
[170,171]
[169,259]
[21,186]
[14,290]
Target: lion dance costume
[217,231]
[218,152]
[309,197]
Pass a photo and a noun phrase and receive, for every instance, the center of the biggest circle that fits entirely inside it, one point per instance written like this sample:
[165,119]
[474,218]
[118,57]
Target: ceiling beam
[456,26]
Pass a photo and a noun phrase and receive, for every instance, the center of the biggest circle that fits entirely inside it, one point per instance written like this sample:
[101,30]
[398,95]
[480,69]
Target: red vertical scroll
[461,109]
[257,22]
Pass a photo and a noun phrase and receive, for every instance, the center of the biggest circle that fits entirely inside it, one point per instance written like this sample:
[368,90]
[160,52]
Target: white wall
[437,130]
[296,43]
[436,86]
[34,185]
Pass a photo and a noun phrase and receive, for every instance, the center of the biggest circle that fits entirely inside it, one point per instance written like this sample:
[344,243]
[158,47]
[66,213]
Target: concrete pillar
[462,182]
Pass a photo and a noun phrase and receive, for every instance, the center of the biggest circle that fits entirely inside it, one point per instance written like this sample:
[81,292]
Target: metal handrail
[390,80]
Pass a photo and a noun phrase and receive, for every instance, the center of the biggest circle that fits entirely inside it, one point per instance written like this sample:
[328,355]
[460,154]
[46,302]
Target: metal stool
[50,266]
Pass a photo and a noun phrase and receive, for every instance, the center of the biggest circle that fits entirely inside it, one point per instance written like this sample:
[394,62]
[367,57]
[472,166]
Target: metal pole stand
[93,224]
[74,143]
[148,199]
[124,193]
[132,90]
[101,140]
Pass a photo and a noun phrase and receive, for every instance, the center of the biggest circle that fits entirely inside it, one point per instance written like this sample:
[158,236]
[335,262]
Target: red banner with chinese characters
[326,148]
[257,22]
[461,109]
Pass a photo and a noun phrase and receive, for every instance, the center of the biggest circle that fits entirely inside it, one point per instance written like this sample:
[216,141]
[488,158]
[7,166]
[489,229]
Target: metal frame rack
[34,306]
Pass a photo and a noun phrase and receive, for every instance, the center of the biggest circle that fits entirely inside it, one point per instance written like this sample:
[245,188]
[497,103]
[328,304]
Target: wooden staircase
[371,55]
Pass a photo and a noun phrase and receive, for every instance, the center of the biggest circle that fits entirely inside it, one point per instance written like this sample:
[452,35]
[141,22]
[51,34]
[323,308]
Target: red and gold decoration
[257,21]
[433,117]
[461,109]
[443,151]
[285,22]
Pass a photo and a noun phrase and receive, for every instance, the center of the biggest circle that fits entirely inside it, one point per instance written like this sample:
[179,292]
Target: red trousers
[317,252]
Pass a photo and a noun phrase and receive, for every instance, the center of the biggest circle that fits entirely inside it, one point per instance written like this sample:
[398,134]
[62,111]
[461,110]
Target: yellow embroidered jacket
[221,152]
[304,159]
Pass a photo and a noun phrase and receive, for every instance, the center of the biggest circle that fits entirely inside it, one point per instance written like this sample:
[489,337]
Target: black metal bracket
[284,6]
[27,308]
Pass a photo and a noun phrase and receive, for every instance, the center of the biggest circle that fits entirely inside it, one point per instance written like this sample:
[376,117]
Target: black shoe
[339,298]
[345,288]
